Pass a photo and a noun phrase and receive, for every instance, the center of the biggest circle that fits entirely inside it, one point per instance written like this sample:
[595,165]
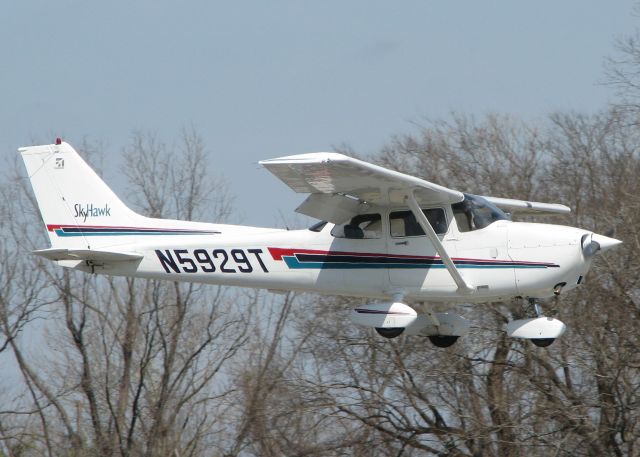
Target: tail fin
[72,198]
[81,212]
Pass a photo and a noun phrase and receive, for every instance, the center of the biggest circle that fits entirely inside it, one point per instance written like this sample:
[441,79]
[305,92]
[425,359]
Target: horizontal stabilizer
[521,206]
[88,254]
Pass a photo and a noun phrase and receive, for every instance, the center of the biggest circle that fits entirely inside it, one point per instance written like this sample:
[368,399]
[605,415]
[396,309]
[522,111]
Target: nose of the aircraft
[604,242]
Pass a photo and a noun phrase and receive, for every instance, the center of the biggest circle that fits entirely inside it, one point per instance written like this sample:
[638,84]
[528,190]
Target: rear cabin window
[362,226]
[404,223]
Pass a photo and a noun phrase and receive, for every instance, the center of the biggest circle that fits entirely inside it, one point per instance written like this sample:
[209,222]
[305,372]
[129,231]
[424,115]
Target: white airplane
[385,236]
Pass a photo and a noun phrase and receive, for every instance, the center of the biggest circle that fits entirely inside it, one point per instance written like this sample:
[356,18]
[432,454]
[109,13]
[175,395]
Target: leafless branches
[114,366]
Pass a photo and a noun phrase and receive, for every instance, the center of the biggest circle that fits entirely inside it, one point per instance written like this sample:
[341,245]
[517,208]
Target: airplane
[383,236]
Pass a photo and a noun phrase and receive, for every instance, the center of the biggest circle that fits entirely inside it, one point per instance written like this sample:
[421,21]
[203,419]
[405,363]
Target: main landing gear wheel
[542,342]
[391,332]
[443,341]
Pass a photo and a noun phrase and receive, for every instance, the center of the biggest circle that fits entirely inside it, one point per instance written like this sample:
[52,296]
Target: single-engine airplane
[385,236]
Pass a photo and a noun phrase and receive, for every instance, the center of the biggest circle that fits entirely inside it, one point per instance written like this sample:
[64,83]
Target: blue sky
[264,79]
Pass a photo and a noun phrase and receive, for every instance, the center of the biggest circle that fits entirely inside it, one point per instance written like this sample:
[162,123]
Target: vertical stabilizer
[75,203]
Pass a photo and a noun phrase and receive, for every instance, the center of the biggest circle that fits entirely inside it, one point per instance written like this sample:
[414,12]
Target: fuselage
[502,260]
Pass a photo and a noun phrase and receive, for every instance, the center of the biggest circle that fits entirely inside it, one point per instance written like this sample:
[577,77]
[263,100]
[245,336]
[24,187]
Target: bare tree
[133,367]
[621,73]
[139,365]
[490,395]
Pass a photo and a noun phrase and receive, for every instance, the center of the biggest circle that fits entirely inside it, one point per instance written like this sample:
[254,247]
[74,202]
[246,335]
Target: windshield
[475,213]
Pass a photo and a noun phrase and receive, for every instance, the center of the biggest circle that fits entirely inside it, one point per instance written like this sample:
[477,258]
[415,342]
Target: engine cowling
[384,315]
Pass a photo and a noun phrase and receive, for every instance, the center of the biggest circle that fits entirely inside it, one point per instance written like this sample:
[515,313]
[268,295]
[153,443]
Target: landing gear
[541,330]
[391,332]
[443,341]
[392,319]
[442,329]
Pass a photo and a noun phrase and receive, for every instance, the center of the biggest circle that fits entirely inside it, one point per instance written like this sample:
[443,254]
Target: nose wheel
[540,342]
[541,330]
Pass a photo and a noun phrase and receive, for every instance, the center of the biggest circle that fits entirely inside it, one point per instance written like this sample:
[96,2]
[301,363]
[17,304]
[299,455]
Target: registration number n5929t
[211,260]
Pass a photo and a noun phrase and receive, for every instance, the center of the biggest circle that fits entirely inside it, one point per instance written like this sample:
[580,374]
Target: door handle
[398,243]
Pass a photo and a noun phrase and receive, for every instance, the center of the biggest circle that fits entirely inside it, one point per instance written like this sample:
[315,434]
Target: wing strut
[463,286]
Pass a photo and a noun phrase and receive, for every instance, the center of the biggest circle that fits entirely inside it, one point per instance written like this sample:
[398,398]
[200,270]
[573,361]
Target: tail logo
[89,210]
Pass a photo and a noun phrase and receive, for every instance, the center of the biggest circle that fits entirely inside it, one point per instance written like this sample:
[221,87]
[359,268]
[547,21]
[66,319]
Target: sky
[259,80]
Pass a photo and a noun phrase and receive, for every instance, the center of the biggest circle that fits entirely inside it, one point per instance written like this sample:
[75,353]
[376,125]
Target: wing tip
[308,157]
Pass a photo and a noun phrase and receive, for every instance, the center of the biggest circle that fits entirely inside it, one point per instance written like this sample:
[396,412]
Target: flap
[332,208]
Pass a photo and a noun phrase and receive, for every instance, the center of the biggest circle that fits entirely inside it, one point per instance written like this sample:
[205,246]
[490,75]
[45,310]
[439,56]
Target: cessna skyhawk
[385,236]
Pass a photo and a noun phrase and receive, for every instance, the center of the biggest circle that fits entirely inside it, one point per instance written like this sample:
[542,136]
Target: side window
[404,223]
[362,226]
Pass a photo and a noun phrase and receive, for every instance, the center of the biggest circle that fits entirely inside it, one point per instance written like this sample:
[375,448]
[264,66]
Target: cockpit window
[318,226]
[475,213]
[404,223]
[362,226]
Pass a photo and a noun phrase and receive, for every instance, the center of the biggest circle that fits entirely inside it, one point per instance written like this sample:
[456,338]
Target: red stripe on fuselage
[52,227]
[278,253]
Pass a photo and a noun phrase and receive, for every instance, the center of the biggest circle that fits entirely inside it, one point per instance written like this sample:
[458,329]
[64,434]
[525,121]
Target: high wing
[339,184]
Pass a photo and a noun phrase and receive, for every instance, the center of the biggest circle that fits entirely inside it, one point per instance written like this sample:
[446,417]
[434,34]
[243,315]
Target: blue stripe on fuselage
[293,262]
